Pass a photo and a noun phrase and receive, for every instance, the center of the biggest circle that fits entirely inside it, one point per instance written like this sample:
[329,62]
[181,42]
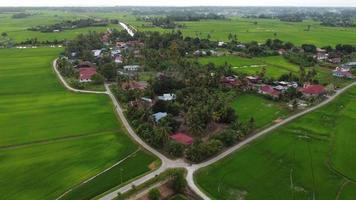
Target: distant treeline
[169,20]
[20,15]
[336,19]
[72,24]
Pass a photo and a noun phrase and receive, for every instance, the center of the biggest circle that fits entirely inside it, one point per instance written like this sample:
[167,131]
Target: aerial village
[182,110]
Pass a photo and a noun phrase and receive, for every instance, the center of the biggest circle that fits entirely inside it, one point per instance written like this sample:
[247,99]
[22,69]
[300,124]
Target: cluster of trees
[165,22]
[300,58]
[337,19]
[294,17]
[70,24]
[36,42]
[20,15]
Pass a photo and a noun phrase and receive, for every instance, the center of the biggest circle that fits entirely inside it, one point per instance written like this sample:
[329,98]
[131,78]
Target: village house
[121,45]
[253,79]
[167,97]
[158,116]
[200,53]
[321,54]
[221,44]
[182,138]
[134,85]
[281,51]
[84,64]
[348,66]
[131,68]
[313,90]
[115,52]
[86,74]
[241,46]
[97,53]
[335,60]
[230,81]
[342,73]
[269,90]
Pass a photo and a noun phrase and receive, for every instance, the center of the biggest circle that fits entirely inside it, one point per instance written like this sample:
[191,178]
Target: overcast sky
[341,3]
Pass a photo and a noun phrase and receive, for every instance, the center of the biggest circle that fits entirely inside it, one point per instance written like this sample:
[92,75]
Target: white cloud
[343,3]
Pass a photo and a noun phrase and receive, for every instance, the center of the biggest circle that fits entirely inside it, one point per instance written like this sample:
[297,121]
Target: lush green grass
[306,159]
[52,139]
[116,176]
[275,65]
[264,111]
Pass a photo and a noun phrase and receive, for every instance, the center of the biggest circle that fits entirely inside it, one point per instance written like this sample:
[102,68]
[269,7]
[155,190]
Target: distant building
[134,85]
[269,90]
[336,60]
[313,90]
[96,53]
[322,56]
[85,74]
[182,138]
[84,64]
[221,44]
[118,59]
[348,66]
[253,79]
[131,67]
[167,97]
[241,46]
[341,73]
[158,116]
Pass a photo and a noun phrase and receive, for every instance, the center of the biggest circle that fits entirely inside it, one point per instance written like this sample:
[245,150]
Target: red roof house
[313,90]
[269,90]
[86,73]
[182,138]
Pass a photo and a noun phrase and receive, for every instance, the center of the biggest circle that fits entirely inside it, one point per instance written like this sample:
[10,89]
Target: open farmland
[247,30]
[275,65]
[52,139]
[17,28]
[311,158]
[263,111]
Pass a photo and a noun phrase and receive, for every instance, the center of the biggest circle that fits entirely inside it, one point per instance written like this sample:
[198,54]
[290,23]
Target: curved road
[169,163]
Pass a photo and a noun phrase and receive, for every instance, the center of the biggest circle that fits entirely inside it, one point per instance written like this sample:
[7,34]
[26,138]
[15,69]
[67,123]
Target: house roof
[313,89]
[159,115]
[86,72]
[141,85]
[85,64]
[182,138]
[269,90]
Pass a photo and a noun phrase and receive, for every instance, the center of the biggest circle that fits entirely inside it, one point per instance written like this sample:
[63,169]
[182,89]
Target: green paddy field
[264,111]
[246,30]
[52,139]
[311,158]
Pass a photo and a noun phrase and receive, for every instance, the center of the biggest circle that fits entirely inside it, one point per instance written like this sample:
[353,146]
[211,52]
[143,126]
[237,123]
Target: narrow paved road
[168,163]
[193,168]
[128,30]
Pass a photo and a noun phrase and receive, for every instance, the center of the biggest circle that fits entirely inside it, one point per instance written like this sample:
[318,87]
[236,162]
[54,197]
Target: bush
[227,137]
[154,194]
[178,183]
[175,149]
[98,79]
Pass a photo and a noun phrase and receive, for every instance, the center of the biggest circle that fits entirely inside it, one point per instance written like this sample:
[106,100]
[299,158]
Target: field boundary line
[100,173]
[52,140]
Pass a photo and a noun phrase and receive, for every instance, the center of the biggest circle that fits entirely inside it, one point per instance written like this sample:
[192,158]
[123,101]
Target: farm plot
[52,139]
[262,110]
[275,65]
[310,158]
